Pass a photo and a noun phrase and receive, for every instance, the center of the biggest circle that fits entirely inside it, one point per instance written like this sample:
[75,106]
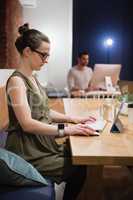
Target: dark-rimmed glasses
[43,56]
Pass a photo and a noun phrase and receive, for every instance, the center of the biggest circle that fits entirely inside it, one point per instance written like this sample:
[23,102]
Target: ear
[27,52]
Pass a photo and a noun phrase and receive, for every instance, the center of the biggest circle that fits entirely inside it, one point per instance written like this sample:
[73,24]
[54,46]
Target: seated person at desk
[80,75]
[31,133]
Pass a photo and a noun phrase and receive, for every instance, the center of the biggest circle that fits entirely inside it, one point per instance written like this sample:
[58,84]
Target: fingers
[93,118]
[80,129]
[83,131]
[94,134]
[89,120]
[86,127]
[87,131]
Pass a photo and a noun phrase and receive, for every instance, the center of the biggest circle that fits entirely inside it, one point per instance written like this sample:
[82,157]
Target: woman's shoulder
[20,79]
[15,81]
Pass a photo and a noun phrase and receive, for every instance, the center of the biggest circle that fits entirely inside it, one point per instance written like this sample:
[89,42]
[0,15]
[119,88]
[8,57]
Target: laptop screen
[119,110]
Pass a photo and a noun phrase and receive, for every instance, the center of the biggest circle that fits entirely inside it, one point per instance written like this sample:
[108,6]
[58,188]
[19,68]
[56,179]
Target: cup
[108,110]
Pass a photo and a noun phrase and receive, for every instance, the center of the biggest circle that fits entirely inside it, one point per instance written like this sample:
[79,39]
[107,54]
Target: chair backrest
[4,116]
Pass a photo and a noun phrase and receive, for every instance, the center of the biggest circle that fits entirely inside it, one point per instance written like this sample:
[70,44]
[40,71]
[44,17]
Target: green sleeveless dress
[50,159]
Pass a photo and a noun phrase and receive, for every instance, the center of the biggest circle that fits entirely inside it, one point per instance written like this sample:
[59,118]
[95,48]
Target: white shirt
[79,78]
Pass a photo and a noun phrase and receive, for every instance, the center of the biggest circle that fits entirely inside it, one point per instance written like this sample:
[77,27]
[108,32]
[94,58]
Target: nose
[46,60]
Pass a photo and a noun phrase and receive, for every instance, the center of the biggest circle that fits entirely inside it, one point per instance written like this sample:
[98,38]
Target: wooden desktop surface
[106,149]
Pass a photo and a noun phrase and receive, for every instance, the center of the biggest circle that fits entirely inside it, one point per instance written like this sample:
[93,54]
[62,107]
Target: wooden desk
[56,104]
[95,152]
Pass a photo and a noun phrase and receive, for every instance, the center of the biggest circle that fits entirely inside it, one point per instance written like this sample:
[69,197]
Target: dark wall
[95,20]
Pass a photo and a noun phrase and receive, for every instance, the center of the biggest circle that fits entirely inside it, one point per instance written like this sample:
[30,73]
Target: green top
[43,152]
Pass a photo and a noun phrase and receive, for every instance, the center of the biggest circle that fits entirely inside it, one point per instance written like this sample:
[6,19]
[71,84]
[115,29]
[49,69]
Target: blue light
[108,42]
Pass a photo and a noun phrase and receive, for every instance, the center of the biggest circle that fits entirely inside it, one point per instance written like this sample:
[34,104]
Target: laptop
[100,124]
[117,126]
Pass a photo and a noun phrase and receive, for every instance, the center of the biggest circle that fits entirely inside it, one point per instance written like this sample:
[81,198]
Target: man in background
[80,75]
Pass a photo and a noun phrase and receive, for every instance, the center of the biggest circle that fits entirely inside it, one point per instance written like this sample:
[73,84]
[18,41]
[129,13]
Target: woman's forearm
[40,128]
[59,117]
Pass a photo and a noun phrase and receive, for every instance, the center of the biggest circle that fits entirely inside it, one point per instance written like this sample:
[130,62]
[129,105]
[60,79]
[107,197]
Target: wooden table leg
[93,189]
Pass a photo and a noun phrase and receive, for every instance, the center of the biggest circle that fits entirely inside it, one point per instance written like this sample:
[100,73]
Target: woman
[31,134]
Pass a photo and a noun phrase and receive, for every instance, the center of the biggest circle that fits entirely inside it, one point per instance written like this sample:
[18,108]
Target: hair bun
[23,29]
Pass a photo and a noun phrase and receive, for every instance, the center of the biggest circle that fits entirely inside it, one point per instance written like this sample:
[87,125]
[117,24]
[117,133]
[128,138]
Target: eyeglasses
[43,56]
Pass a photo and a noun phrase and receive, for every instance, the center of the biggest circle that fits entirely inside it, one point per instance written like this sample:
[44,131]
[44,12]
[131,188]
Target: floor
[118,184]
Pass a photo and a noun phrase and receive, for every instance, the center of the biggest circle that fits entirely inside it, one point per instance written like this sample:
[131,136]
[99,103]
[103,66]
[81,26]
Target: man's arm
[89,88]
[71,82]
[73,89]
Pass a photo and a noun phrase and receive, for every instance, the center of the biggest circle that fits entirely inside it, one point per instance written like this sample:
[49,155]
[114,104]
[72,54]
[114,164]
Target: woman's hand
[82,120]
[80,129]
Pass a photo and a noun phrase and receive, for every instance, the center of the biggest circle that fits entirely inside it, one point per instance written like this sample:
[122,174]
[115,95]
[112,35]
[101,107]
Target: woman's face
[40,56]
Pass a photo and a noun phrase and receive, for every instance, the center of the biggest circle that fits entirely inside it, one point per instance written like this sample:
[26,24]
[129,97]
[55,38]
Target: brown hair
[83,53]
[29,38]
